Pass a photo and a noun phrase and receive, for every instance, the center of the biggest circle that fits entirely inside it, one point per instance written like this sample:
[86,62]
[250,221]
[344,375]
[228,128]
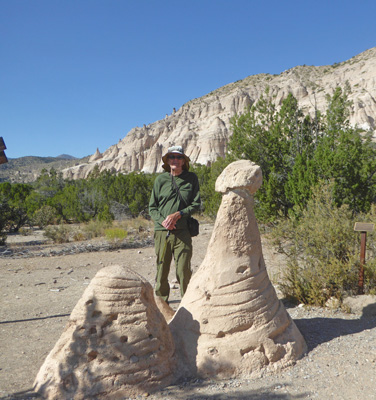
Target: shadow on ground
[321,330]
[189,392]
[185,394]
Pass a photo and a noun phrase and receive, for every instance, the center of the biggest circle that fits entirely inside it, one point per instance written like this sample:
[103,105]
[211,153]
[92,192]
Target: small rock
[134,359]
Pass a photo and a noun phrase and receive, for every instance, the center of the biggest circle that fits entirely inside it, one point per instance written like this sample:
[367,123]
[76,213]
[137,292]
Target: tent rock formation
[230,322]
[116,343]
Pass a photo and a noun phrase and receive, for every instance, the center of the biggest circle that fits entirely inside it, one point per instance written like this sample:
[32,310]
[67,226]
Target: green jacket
[165,200]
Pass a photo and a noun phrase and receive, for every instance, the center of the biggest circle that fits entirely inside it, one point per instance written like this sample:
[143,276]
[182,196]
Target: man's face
[176,162]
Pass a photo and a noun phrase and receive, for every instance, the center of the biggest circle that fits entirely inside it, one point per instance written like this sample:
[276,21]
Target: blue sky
[80,74]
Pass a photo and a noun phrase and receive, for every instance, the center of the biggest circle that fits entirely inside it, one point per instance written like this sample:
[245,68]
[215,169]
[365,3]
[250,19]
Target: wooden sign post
[363,228]
[3,157]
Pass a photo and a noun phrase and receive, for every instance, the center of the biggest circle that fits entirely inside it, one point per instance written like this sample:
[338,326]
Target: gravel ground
[40,285]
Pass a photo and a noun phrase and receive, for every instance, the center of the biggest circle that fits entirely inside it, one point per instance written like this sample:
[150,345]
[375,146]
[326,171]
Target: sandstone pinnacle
[230,322]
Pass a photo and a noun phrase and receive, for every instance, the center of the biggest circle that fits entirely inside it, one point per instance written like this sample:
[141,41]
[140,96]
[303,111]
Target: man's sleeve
[196,198]
[154,206]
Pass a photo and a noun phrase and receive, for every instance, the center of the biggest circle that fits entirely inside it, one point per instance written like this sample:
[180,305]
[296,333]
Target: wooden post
[363,228]
[363,240]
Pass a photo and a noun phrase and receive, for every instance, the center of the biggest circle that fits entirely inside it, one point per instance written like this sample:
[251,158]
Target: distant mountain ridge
[202,125]
[27,169]
[66,157]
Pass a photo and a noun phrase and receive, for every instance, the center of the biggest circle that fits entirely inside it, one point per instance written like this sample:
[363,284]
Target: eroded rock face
[96,156]
[230,321]
[115,345]
[203,126]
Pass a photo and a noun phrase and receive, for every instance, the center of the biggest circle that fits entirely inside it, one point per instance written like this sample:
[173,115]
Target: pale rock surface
[203,126]
[115,345]
[230,322]
[96,156]
[164,308]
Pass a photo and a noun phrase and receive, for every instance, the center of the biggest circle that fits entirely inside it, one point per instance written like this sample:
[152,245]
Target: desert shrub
[4,218]
[105,215]
[58,234]
[132,190]
[95,229]
[15,195]
[370,266]
[24,231]
[296,151]
[137,228]
[119,211]
[207,176]
[322,250]
[115,234]
[78,236]
[44,216]
[135,224]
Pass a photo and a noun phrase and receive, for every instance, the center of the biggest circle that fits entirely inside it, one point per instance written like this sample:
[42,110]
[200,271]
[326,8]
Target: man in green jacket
[170,212]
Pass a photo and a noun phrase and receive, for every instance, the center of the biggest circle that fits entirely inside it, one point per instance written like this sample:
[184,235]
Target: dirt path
[38,293]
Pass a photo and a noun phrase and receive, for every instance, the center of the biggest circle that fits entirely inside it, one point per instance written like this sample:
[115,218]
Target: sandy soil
[38,293]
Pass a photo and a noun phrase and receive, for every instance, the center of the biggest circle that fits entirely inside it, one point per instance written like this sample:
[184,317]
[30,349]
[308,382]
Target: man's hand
[170,222]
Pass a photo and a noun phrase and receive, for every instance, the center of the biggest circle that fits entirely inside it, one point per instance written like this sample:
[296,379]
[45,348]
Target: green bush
[46,215]
[58,234]
[105,215]
[295,151]
[115,234]
[4,218]
[207,177]
[78,236]
[95,229]
[322,250]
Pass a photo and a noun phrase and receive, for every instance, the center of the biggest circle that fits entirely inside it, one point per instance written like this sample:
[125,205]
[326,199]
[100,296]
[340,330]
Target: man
[169,212]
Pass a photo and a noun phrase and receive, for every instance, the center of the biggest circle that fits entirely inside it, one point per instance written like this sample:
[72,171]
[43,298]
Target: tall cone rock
[230,321]
[115,345]
[202,125]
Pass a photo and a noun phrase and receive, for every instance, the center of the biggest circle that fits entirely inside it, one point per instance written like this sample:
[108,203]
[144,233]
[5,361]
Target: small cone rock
[230,322]
[116,344]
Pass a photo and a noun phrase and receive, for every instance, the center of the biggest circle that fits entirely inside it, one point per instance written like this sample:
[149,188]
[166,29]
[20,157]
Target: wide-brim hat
[175,150]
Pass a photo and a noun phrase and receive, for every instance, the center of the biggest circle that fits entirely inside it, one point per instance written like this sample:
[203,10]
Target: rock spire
[230,322]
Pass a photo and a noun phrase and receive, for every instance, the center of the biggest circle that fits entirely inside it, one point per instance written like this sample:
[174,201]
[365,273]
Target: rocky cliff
[202,125]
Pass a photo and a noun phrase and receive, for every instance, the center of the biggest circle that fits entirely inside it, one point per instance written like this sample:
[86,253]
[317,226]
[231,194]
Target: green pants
[179,245]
